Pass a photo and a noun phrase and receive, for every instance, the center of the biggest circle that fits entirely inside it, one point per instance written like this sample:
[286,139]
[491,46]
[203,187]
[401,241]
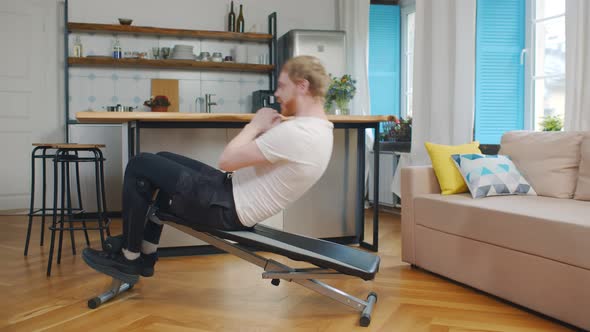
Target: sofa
[530,250]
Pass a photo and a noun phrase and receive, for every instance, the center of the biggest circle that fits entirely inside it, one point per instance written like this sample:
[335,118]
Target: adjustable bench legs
[117,287]
[307,278]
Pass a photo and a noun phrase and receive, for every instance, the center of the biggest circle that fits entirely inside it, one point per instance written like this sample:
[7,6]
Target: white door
[30,86]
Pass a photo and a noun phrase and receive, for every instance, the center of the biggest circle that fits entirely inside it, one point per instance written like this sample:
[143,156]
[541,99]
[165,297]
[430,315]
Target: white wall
[207,14]
[29,90]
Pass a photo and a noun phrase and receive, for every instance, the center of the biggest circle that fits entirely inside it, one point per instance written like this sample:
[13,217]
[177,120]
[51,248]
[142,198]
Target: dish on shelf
[125,21]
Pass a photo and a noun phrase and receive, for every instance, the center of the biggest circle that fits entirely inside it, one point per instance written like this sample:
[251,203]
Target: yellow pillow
[449,177]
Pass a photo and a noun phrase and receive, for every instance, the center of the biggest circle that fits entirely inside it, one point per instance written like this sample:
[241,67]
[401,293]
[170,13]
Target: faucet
[208,102]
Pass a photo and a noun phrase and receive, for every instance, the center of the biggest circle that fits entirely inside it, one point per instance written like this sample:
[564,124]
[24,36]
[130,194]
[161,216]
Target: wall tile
[227,95]
[189,91]
[246,90]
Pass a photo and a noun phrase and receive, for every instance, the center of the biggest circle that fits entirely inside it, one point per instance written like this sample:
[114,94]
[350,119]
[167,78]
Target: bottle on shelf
[240,22]
[77,51]
[117,52]
[231,23]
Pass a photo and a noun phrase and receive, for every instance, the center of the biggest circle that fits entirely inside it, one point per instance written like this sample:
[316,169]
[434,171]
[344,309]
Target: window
[499,73]
[547,29]
[507,48]
[408,15]
[384,59]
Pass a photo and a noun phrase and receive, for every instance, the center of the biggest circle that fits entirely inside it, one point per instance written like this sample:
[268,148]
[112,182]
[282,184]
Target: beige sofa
[531,250]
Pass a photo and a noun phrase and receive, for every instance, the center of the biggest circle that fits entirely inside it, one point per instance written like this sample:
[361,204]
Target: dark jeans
[194,192]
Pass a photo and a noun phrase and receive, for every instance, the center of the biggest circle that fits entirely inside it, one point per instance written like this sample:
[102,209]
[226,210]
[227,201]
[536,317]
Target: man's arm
[242,151]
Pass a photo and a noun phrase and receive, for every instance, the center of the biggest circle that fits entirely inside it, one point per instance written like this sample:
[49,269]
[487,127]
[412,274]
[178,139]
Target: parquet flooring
[224,293]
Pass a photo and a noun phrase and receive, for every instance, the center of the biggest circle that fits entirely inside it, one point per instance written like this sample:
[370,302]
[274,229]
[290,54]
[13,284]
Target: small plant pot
[159,108]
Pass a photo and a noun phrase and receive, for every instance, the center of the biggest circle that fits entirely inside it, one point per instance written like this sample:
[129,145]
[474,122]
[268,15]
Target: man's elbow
[226,165]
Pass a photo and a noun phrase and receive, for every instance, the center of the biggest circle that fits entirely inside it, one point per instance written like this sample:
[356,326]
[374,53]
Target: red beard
[289,107]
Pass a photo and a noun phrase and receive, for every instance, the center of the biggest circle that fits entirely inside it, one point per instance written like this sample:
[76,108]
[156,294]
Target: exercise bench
[333,261]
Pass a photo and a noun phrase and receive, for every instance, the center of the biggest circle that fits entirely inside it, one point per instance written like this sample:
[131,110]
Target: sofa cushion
[491,175]
[449,178]
[583,186]
[548,160]
[556,229]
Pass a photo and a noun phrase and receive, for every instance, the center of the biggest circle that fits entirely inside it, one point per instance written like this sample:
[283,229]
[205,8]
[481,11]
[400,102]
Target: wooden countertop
[122,117]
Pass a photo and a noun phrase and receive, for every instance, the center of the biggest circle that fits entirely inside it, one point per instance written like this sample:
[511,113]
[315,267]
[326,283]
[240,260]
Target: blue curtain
[499,73]
[384,59]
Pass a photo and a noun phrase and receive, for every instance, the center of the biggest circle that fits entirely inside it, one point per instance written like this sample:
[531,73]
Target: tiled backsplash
[94,88]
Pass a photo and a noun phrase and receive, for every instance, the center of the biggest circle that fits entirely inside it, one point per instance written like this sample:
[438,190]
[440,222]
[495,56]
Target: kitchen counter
[123,117]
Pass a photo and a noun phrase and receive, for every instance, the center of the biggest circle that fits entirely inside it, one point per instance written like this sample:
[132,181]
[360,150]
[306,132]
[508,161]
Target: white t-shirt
[299,151]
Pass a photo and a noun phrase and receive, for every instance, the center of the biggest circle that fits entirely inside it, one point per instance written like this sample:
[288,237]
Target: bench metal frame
[306,277]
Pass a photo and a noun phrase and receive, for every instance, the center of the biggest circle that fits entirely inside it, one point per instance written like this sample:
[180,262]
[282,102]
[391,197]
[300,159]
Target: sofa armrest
[415,180]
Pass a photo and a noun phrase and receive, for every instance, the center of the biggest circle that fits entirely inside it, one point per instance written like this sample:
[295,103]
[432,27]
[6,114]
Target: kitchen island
[337,196]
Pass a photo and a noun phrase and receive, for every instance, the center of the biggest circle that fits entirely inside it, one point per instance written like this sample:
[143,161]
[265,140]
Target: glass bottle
[231,23]
[117,53]
[240,23]
[77,52]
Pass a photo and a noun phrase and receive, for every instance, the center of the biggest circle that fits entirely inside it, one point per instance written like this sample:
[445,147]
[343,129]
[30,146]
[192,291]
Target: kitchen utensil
[182,52]
[168,88]
[125,21]
[119,108]
[205,56]
[165,52]
[217,57]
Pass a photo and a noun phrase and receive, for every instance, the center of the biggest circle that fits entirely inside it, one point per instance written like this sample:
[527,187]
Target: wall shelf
[153,31]
[169,64]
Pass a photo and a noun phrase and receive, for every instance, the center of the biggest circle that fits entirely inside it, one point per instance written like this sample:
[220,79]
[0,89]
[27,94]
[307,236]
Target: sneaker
[113,264]
[113,245]
[148,262]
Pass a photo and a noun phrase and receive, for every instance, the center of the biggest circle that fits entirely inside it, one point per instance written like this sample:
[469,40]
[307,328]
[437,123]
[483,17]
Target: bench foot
[117,287]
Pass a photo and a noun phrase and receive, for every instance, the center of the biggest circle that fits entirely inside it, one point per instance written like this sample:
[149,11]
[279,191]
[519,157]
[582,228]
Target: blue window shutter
[384,59]
[499,75]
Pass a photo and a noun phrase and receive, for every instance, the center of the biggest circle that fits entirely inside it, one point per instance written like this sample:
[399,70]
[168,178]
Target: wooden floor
[223,293]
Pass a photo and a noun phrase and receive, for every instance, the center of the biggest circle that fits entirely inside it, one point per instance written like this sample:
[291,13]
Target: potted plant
[398,130]
[340,93]
[158,103]
[552,123]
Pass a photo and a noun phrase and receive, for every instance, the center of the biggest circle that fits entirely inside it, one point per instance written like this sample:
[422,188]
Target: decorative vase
[159,108]
[340,107]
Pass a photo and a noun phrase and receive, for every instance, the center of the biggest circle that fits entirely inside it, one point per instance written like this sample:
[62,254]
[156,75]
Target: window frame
[529,57]
[405,90]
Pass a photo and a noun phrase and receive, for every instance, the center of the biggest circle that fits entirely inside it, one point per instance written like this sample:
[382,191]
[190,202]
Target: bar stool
[63,155]
[44,151]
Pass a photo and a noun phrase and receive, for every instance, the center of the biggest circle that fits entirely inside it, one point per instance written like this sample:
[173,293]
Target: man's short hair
[306,67]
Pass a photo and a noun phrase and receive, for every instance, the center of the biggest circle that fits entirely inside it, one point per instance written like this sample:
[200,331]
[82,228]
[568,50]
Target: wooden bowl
[125,21]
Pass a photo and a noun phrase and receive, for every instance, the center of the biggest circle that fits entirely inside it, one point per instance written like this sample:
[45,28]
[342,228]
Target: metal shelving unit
[69,27]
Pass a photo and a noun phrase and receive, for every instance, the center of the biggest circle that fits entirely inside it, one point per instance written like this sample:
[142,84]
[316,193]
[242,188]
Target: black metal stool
[44,151]
[63,155]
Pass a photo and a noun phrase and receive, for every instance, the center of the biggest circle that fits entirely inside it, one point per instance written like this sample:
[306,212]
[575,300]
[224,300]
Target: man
[268,165]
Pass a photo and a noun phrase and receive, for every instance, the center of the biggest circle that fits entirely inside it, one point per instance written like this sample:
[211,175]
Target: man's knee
[144,186]
[167,155]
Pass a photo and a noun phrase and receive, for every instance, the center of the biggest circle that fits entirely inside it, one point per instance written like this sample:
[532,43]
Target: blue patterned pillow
[491,175]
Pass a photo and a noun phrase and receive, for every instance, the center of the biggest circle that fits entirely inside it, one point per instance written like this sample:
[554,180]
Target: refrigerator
[327,45]
[327,210]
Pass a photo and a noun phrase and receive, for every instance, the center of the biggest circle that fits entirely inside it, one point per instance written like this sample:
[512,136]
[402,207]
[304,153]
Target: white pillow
[491,175]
